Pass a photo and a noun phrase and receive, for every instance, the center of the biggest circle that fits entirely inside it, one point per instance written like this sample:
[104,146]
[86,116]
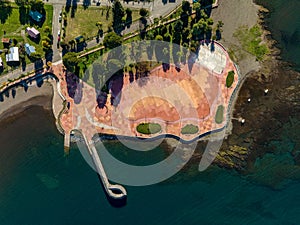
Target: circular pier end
[117,192]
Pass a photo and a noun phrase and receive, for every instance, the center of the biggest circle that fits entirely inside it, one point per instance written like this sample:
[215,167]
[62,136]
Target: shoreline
[260,73]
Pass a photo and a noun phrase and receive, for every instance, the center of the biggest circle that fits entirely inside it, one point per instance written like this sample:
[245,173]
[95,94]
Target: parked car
[58,33]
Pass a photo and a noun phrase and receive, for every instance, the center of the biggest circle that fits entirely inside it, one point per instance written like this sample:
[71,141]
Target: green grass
[84,21]
[251,41]
[190,129]
[13,28]
[219,114]
[230,79]
[148,128]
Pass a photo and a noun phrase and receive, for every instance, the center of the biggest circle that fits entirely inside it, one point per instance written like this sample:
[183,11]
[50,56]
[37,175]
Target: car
[58,33]
[59,18]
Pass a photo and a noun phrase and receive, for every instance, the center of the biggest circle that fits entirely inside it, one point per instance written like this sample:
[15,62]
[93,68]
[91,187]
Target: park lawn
[13,28]
[84,21]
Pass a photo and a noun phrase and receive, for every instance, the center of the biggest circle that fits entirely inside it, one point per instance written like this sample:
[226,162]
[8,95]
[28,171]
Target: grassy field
[251,41]
[13,28]
[84,21]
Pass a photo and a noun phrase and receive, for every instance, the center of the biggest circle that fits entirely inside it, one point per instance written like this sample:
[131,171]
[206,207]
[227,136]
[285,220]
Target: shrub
[148,128]
[230,79]
[189,129]
[219,114]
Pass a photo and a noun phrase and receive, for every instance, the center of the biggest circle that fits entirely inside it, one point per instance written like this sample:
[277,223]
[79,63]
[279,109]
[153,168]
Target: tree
[220,24]
[186,7]
[22,3]
[35,56]
[70,60]
[144,12]
[159,38]
[37,5]
[128,20]
[197,8]
[100,29]
[112,40]
[230,79]
[47,29]
[118,13]
[99,25]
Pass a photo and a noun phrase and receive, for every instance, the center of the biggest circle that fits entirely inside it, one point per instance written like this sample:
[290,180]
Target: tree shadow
[13,93]
[68,5]
[6,11]
[23,64]
[86,3]
[131,76]
[116,86]
[73,8]
[23,15]
[218,35]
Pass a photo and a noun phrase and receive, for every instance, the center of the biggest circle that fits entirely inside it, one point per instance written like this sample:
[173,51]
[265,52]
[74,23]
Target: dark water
[284,23]
[39,185]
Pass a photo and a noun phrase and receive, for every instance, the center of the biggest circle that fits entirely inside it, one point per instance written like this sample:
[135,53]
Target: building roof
[13,56]
[32,32]
[29,49]
[6,40]
[1,64]
[35,15]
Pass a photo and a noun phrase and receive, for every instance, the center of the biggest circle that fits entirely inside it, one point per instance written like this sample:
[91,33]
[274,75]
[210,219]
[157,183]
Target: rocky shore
[267,114]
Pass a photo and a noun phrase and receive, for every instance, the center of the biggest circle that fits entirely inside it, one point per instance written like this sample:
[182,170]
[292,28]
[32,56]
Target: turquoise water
[39,185]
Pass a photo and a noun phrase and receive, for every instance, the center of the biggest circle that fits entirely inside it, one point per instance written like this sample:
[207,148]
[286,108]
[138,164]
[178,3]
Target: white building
[13,56]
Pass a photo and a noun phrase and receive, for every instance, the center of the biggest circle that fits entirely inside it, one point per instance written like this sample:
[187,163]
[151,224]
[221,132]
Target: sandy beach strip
[19,101]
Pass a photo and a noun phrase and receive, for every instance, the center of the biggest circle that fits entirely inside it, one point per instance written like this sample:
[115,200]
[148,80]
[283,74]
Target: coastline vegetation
[251,41]
[148,128]
[190,129]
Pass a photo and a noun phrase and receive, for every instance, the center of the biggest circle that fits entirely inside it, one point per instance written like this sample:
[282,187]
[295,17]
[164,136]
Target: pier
[114,191]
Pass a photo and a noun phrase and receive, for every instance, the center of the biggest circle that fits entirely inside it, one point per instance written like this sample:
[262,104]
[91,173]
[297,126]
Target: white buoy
[266,91]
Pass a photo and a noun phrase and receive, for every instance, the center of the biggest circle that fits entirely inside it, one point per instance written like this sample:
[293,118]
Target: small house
[35,15]
[6,42]
[29,49]
[13,55]
[32,32]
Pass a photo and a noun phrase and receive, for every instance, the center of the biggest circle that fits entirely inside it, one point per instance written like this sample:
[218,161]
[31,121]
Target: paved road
[55,28]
